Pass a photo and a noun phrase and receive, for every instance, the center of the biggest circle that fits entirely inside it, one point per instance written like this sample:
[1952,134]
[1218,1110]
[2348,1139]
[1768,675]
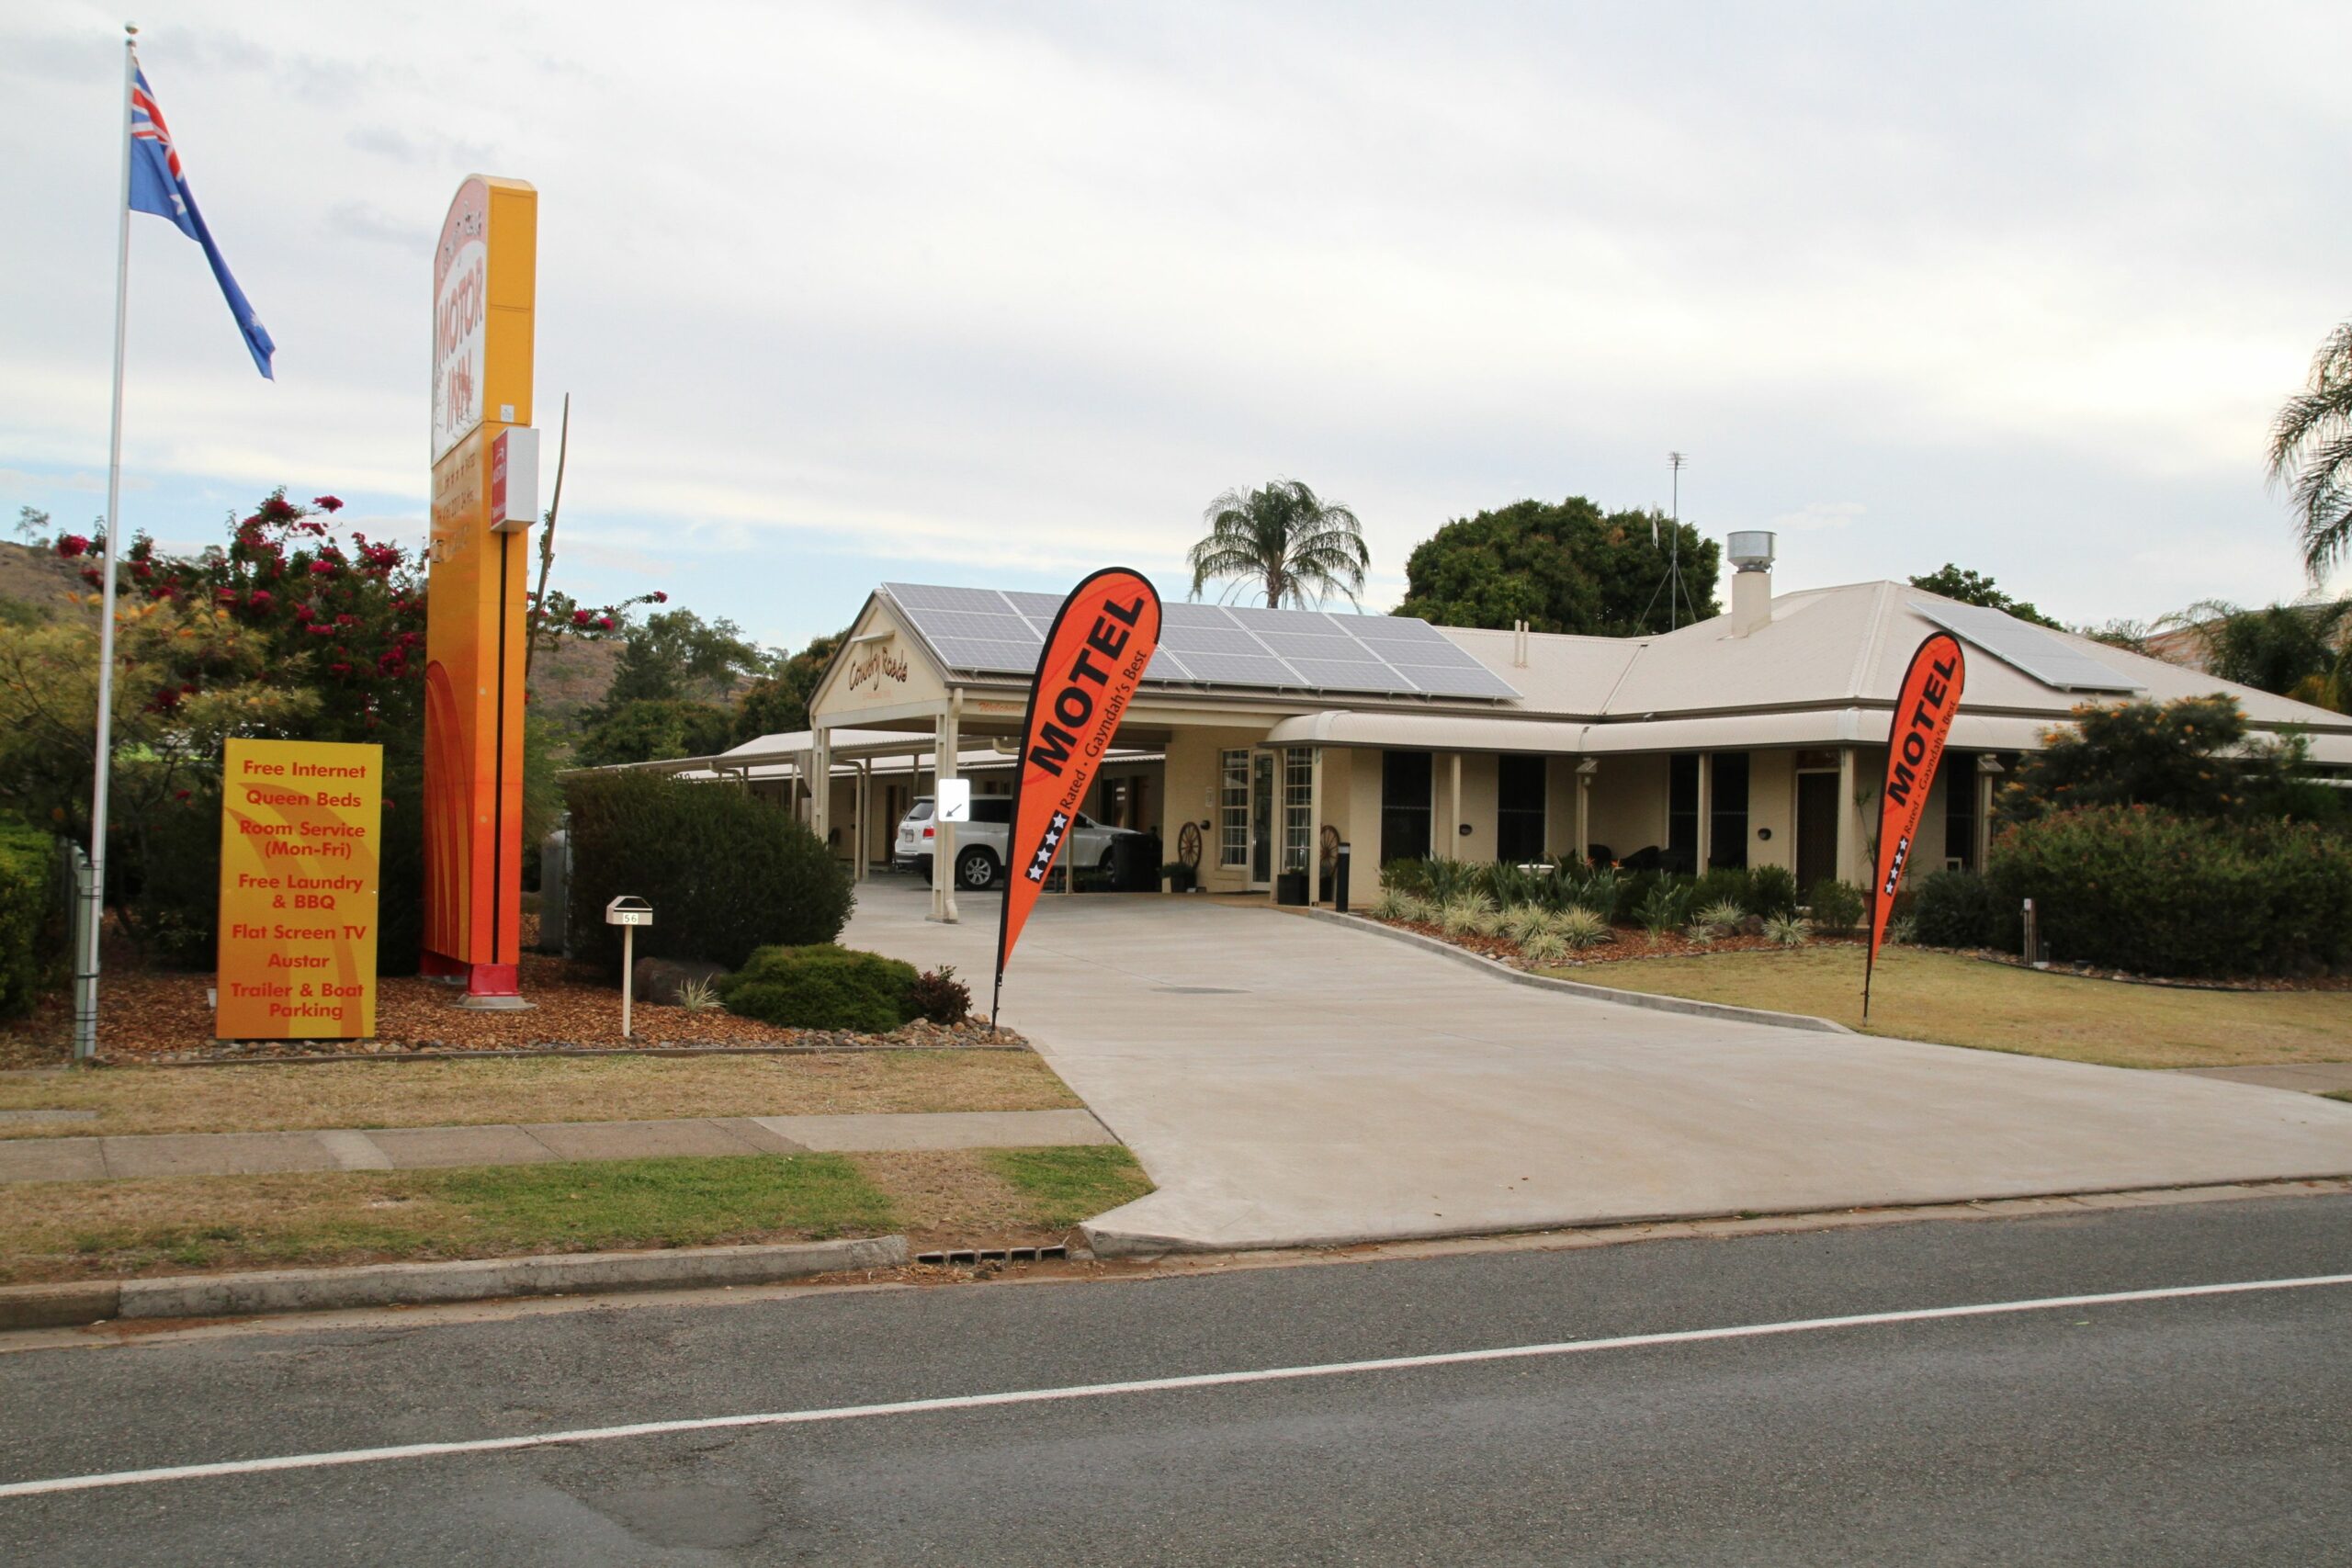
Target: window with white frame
[1298,807]
[1233,808]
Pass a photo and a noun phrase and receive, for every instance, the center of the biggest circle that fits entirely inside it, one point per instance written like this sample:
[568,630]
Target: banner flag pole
[1925,706]
[93,901]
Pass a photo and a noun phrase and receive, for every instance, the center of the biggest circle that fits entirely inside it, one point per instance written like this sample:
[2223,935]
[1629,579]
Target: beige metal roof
[1733,731]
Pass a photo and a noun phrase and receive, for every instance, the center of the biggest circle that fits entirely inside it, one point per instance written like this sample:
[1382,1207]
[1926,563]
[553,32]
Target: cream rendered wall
[1479,782]
[1857,854]
[1360,827]
[1773,803]
[1560,808]
[1629,803]
[1191,795]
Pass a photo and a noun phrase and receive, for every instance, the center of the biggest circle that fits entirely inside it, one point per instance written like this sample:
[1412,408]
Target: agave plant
[1581,927]
[1718,916]
[1788,931]
[699,996]
[1523,922]
[1394,903]
[1699,933]
[1461,917]
[1544,947]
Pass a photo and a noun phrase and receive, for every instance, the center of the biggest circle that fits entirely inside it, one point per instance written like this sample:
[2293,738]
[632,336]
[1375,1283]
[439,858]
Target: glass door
[1261,819]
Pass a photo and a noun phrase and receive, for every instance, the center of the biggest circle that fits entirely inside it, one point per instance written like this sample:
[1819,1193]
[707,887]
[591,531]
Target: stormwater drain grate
[995,1254]
[1201,990]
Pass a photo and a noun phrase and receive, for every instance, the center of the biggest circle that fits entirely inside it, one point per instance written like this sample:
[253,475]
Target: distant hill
[570,678]
[38,576]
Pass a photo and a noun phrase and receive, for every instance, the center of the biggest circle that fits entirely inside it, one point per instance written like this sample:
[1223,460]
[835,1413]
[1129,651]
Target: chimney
[1751,583]
[1519,645]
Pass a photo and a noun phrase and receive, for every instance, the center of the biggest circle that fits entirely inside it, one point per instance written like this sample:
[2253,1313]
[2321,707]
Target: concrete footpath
[416,1148]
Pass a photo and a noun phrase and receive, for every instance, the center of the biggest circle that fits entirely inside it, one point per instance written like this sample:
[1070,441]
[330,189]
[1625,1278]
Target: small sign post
[628,912]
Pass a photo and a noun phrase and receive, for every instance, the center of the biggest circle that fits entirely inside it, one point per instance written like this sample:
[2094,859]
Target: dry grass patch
[1004,1197]
[608,1089]
[1952,1000]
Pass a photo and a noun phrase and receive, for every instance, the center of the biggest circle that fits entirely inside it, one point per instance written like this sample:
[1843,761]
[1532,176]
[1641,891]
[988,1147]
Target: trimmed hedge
[824,987]
[726,872]
[32,922]
[1956,909]
[2142,890]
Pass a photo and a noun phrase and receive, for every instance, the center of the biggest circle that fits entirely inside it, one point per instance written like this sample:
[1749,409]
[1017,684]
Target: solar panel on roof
[2028,647]
[1240,645]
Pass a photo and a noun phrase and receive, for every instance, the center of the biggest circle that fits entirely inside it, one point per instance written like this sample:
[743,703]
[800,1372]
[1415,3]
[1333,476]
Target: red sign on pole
[1924,708]
[1100,641]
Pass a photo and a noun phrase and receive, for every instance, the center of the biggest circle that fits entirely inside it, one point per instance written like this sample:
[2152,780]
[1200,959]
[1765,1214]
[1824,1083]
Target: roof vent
[1750,550]
[1751,581]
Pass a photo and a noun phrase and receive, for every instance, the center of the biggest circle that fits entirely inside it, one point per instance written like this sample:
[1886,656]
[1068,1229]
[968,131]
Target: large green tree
[2194,757]
[674,655]
[652,730]
[1284,540]
[1562,567]
[2296,651]
[1976,588]
[2311,450]
[779,704]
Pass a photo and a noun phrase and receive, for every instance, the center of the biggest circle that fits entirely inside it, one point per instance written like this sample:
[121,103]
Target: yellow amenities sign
[299,826]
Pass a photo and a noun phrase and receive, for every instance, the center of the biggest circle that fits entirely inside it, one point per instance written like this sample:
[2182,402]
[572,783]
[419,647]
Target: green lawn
[1952,1000]
[72,1230]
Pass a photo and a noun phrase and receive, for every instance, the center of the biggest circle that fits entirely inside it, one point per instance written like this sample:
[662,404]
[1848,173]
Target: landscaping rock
[1751,925]
[658,980]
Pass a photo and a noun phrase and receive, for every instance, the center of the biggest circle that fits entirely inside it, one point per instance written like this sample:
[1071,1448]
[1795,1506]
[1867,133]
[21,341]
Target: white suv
[979,843]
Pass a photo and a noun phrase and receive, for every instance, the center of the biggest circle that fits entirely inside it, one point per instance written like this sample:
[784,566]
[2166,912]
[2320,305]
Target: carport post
[865,802]
[1314,867]
[948,740]
[1585,771]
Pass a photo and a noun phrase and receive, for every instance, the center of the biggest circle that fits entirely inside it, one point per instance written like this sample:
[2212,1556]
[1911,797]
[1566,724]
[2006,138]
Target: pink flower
[603,622]
[580,617]
[327,503]
[660,597]
[71,545]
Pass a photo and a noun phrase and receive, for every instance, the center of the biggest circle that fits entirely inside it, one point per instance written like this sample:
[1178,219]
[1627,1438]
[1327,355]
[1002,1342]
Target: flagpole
[94,900]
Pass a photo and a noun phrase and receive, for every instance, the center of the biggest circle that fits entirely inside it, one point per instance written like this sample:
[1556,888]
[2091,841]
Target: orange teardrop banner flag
[1924,707]
[1100,641]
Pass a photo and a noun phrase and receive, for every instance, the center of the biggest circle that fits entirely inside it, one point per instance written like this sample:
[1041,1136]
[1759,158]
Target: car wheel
[1104,863]
[976,869]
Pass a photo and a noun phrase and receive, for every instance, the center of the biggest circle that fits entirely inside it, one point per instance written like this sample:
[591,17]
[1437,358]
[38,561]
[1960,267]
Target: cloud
[1819,516]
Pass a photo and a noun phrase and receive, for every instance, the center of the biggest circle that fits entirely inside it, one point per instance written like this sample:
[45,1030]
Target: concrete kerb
[1683,1005]
[414,1284]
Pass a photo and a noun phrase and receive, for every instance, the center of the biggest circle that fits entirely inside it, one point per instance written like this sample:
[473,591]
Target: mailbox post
[628,912]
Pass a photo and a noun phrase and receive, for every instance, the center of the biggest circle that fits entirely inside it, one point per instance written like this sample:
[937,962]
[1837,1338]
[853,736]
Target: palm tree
[2311,443]
[1283,537]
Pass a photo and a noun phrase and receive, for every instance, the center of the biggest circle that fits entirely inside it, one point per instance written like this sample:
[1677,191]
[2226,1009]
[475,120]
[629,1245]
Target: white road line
[1141,1385]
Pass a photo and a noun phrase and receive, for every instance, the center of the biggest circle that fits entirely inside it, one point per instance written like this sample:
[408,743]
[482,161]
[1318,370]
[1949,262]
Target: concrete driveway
[1289,1081]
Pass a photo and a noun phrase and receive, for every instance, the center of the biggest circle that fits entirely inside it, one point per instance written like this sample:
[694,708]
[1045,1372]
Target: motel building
[1261,740]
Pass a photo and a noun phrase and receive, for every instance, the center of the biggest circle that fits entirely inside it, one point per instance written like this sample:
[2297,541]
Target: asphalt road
[2214,1428]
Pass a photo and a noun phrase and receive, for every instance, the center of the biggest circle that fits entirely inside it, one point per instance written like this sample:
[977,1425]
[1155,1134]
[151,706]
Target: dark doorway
[1727,830]
[1404,805]
[1817,827]
[1519,809]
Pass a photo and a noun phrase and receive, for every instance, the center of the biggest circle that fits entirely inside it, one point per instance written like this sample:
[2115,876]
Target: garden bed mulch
[156,1017]
[1631,943]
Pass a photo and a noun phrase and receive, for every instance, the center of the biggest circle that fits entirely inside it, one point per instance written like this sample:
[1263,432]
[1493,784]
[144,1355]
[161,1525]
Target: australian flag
[158,185]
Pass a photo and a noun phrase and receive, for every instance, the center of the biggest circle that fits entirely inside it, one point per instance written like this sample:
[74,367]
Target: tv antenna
[1674,461]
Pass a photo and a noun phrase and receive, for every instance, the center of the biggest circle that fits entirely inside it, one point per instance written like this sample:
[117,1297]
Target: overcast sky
[996,294]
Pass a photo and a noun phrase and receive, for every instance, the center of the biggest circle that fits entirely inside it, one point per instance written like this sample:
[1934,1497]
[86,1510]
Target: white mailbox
[955,802]
[628,912]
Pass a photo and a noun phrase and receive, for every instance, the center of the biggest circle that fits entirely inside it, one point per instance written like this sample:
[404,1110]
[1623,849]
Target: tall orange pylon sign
[484,279]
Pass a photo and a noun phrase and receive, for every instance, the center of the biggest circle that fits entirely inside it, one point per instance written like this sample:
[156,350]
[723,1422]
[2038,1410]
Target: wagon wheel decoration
[1330,846]
[1188,844]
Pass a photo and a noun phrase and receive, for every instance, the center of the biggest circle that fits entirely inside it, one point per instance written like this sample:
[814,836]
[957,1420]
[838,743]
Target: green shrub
[1663,907]
[1788,931]
[1772,890]
[1954,908]
[1833,905]
[823,985]
[32,916]
[1718,916]
[1582,928]
[2143,890]
[938,996]
[726,872]
[1722,884]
